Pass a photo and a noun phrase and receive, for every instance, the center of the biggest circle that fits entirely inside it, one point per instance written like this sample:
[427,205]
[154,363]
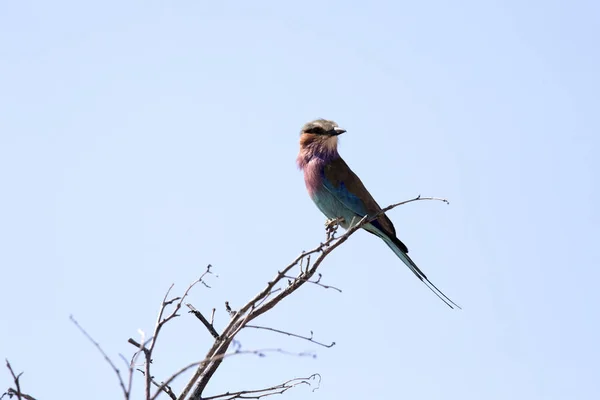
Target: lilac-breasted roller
[339,193]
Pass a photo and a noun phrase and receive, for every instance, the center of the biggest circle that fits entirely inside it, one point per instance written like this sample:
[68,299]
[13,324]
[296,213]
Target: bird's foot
[331,226]
[332,222]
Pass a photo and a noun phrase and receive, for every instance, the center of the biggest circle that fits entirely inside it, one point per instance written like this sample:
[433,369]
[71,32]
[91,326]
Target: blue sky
[140,141]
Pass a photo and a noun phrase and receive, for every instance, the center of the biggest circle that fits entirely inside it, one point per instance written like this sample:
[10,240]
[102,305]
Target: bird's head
[320,133]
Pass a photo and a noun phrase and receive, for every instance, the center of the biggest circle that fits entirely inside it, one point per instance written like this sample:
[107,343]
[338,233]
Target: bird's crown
[322,127]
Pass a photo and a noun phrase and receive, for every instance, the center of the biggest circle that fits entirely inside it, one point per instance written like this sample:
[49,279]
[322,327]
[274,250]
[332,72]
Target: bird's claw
[331,226]
[332,223]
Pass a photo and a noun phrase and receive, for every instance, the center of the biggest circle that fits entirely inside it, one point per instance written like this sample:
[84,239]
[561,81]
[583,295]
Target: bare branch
[11,392]
[208,325]
[259,304]
[309,338]
[126,392]
[160,322]
[165,388]
[136,344]
[317,282]
[228,309]
[274,292]
[259,393]
[221,357]
[148,360]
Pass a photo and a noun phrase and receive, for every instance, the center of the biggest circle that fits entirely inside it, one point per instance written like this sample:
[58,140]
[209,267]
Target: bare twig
[317,282]
[309,338]
[165,388]
[126,391]
[161,321]
[141,348]
[273,293]
[16,378]
[203,319]
[258,305]
[221,357]
[259,393]
[11,392]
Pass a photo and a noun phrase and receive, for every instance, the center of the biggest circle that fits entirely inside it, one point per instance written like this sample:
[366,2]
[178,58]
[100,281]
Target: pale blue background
[142,140]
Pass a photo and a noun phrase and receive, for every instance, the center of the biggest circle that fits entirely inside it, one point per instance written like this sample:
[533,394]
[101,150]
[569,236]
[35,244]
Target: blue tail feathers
[397,247]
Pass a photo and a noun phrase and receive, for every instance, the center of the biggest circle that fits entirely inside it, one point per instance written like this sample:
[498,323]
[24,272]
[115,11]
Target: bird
[340,194]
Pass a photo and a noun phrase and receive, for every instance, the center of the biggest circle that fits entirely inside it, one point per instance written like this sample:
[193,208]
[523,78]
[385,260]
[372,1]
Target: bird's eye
[316,130]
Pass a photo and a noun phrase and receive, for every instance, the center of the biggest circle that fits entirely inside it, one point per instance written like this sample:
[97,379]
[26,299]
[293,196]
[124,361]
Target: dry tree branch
[11,392]
[273,293]
[317,282]
[16,378]
[309,338]
[258,304]
[221,357]
[165,388]
[202,318]
[160,322]
[146,347]
[259,393]
[126,391]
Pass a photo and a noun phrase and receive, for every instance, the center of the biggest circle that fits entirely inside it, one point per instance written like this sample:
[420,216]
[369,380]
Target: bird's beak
[338,131]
